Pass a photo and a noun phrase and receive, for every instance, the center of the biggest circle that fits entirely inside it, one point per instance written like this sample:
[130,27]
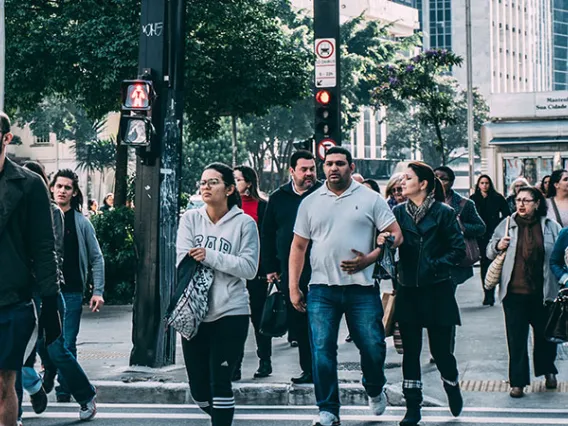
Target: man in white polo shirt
[340,220]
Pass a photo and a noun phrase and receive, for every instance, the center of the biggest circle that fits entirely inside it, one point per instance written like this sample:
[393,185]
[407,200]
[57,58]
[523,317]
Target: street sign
[326,62]
[323,146]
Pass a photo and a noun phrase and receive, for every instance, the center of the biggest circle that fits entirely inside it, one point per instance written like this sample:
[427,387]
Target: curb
[245,394]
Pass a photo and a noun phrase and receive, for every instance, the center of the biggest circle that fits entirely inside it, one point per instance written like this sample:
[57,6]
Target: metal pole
[470,141]
[2,53]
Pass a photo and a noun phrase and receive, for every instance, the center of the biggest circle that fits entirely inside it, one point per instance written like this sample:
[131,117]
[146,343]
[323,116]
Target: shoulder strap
[556,212]
[463,202]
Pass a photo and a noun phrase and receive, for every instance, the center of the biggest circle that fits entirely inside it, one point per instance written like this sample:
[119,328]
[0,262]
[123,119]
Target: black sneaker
[39,401]
[49,380]
[264,369]
[237,375]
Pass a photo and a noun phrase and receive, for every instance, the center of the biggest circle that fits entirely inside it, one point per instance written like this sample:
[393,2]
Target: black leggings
[210,360]
[439,337]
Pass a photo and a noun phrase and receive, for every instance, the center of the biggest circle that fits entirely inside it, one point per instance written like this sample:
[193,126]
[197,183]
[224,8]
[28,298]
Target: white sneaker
[378,404]
[326,418]
[88,410]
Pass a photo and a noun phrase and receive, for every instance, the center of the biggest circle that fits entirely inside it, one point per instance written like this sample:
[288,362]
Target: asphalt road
[176,415]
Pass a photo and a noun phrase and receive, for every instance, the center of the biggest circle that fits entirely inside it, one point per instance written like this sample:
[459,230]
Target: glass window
[367,132]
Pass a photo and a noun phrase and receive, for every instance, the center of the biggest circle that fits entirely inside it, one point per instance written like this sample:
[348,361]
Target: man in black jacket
[27,262]
[277,236]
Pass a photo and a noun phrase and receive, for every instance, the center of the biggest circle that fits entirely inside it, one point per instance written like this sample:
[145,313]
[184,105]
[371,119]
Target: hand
[360,262]
[504,243]
[297,299]
[272,277]
[198,253]
[382,238]
[96,303]
[50,320]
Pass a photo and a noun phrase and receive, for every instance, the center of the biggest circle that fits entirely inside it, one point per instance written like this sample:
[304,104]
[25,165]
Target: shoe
[264,369]
[39,401]
[89,410]
[63,398]
[237,375]
[489,299]
[20,423]
[294,344]
[49,380]
[517,392]
[550,381]
[326,419]
[378,404]
[348,339]
[455,400]
[413,397]
[303,379]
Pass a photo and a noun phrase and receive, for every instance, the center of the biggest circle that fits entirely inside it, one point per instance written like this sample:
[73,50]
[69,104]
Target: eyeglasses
[210,182]
[397,190]
[523,201]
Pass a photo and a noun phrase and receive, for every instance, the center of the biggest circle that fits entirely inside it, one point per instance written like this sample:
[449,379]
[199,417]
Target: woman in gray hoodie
[222,237]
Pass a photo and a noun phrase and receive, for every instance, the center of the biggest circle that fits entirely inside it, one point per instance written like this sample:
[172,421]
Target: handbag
[388,313]
[556,329]
[385,267]
[190,302]
[472,252]
[493,276]
[274,320]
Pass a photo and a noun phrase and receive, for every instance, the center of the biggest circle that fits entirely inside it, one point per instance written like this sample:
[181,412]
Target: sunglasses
[397,190]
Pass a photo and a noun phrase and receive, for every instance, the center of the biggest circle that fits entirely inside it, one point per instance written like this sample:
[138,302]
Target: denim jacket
[550,230]
[90,254]
[557,258]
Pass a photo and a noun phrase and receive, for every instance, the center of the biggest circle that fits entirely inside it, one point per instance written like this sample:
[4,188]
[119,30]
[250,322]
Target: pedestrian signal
[136,113]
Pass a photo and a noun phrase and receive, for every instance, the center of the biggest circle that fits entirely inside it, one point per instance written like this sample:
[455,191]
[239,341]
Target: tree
[97,155]
[407,129]
[421,81]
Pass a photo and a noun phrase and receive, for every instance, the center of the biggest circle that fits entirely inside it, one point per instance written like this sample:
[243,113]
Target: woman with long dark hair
[425,298]
[223,238]
[527,283]
[544,184]
[493,208]
[557,197]
[255,206]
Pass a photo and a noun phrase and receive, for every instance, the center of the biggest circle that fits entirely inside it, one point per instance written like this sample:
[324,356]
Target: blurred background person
[108,202]
[358,177]
[493,208]
[543,186]
[393,191]
[255,206]
[92,207]
[513,189]
[527,283]
[557,197]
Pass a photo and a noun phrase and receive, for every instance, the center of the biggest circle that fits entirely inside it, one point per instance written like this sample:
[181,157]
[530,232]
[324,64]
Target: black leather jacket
[431,248]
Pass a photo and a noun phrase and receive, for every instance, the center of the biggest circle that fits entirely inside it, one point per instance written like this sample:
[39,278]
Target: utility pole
[327,79]
[470,133]
[2,53]
[158,169]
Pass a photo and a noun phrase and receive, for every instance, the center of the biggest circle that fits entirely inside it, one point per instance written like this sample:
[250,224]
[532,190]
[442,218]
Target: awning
[531,140]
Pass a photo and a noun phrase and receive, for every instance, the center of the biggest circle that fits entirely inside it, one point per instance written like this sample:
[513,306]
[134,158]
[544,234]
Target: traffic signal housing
[327,115]
[136,127]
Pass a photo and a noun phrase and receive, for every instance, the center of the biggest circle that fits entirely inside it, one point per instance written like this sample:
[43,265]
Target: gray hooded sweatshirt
[231,250]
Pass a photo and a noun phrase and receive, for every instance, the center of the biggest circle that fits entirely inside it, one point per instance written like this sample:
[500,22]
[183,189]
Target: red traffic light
[323,97]
[138,96]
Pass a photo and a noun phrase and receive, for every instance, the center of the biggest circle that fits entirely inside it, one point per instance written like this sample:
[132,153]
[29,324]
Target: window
[378,153]
[41,139]
[367,132]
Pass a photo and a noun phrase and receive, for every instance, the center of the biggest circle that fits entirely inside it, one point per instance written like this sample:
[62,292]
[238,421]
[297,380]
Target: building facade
[560,34]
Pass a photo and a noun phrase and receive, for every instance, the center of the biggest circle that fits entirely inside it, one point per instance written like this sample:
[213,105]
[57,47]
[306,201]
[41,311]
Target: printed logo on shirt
[213,243]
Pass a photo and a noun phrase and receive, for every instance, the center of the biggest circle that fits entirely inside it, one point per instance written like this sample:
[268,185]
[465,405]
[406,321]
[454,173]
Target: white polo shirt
[337,224]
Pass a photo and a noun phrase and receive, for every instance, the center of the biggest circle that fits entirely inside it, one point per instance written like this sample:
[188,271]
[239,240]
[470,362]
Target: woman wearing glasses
[394,190]
[527,283]
[222,237]
[493,208]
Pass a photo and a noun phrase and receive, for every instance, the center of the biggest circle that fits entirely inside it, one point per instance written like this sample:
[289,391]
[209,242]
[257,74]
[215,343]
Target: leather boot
[264,369]
[455,400]
[413,399]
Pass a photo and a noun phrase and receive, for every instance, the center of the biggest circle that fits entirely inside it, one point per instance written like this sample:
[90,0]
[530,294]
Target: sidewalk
[105,342]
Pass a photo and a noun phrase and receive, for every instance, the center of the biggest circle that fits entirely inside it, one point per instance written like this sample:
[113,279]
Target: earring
[247,192]
[227,195]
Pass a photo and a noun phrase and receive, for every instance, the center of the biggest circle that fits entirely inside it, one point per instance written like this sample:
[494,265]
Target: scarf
[417,213]
[530,250]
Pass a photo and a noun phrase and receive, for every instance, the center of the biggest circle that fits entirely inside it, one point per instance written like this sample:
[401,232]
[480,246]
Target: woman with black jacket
[433,244]
[493,208]
[255,206]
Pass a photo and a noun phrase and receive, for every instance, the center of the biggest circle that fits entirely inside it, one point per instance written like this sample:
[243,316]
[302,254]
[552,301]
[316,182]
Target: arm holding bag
[274,321]
[493,276]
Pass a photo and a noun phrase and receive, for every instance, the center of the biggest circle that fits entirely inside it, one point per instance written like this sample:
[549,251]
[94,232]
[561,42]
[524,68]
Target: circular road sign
[323,146]
[325,49]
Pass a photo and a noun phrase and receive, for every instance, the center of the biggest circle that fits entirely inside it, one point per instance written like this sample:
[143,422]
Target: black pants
[484,266]
[210,360]
[522,310]
[257,289]
[298,327]
[439,337]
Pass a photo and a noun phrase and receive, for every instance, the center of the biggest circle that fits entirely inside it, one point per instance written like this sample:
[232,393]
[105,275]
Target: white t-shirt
[337,224]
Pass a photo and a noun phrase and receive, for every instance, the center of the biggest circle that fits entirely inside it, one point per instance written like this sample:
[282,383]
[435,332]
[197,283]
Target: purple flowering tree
[419,82]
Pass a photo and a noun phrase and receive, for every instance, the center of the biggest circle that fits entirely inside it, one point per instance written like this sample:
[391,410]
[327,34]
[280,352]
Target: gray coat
[550,232]
[90,254]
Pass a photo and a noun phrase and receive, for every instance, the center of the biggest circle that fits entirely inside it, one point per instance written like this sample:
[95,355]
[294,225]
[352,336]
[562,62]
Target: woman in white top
[557,197]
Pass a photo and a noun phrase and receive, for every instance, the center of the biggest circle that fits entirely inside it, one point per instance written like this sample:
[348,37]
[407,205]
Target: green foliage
[420,80]
[115,232]
[407,129]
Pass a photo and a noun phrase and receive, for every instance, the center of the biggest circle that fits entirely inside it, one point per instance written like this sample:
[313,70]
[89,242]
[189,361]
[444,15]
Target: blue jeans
[364,315]
[71,325]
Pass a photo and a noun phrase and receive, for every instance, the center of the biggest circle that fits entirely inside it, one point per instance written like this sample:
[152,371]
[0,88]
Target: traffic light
[307,145]
[327,115]
[136,113]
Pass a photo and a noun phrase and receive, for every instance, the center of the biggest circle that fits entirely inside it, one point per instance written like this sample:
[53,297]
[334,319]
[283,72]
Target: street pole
[162,42]
[2,53]
[470,139]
